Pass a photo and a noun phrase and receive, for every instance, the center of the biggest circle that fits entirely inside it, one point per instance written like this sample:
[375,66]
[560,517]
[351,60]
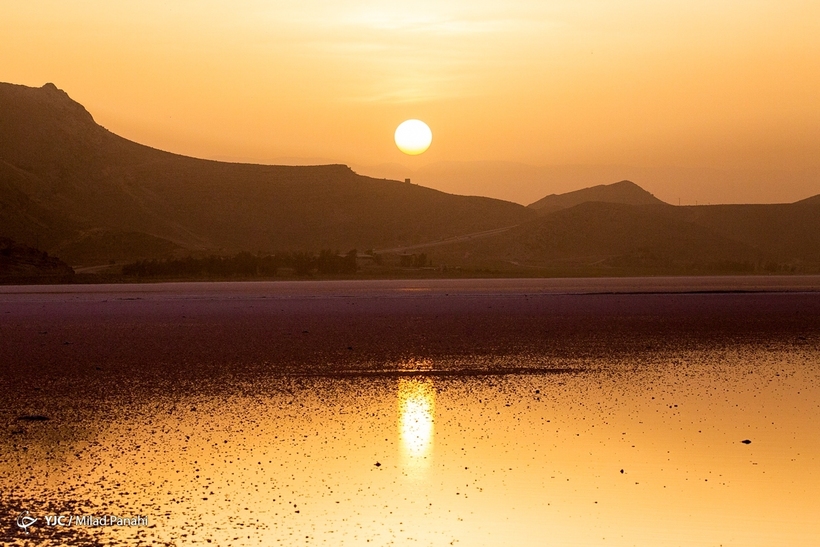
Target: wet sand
[285,392]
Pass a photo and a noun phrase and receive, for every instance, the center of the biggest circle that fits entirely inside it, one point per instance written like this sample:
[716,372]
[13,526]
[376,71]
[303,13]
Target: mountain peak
[625,191]
[57,96]
[624,184]
[24,104]
[39,122]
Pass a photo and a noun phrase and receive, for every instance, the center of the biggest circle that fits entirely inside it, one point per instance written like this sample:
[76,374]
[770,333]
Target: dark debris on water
[33,418]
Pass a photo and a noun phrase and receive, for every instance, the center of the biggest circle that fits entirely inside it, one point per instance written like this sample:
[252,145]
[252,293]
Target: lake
[656,411]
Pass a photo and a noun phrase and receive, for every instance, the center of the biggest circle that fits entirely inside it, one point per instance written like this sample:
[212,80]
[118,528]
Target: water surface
[528,412]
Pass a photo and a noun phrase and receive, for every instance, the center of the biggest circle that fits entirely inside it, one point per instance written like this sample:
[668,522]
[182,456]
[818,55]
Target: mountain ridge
[93,179]
[72,188]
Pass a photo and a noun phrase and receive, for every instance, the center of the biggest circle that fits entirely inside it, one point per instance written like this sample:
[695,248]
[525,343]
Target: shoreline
[737,284]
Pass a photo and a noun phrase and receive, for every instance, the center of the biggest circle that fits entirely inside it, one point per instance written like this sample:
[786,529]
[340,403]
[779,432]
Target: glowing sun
[413,137]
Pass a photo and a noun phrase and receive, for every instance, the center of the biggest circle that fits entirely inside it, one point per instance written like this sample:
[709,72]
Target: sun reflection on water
[417,406]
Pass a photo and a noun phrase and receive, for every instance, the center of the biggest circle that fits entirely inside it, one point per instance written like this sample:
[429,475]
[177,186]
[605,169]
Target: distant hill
[610,236]
[623,225]
[781,232]
[92,196]
[625,192]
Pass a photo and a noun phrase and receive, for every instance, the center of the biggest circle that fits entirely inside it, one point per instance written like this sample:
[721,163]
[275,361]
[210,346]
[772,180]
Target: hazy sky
[695,84]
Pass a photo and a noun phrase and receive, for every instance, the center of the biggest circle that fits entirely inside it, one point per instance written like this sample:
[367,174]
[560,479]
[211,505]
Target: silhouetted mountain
[625,192]
[781,232]
[66,180]
[621,224]
[78,191]
[610,235]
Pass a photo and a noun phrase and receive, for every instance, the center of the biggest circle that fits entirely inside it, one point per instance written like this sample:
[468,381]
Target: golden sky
[694,84]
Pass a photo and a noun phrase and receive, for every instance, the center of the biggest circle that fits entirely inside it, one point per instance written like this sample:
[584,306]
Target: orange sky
[728,85]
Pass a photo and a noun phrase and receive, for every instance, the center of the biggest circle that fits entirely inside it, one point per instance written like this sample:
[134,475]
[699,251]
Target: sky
[691,86]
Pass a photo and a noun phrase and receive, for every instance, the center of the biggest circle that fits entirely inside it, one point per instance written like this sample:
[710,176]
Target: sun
[413,137]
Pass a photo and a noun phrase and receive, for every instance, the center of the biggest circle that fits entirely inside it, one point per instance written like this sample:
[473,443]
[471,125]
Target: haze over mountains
[74,189]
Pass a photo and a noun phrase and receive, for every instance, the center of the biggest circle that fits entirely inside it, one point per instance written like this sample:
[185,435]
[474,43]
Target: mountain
[620,229]
[625,192]
[782,232]
[597,237]
[71,187]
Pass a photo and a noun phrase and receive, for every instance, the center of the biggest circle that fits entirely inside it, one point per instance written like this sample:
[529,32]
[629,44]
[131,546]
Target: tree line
[245,265]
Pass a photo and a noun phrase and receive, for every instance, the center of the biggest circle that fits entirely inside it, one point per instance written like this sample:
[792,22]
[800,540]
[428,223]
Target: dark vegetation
[245,265]
[414,260]
[23,264]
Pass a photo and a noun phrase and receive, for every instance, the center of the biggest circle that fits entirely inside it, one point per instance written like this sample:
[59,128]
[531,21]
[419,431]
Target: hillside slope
[782,232]
[779,233]
[610,234]
[814,200]
[63,176]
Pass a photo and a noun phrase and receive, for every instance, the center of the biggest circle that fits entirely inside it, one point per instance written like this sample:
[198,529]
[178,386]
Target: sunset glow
[700,85]
[246,298]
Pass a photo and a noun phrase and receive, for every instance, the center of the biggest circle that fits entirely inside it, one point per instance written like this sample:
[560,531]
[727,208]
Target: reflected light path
[417,405]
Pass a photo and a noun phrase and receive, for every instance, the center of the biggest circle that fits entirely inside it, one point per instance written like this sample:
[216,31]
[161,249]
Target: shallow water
[625,430]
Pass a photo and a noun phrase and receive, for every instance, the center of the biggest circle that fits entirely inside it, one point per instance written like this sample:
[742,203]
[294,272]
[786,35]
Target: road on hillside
[447,241]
